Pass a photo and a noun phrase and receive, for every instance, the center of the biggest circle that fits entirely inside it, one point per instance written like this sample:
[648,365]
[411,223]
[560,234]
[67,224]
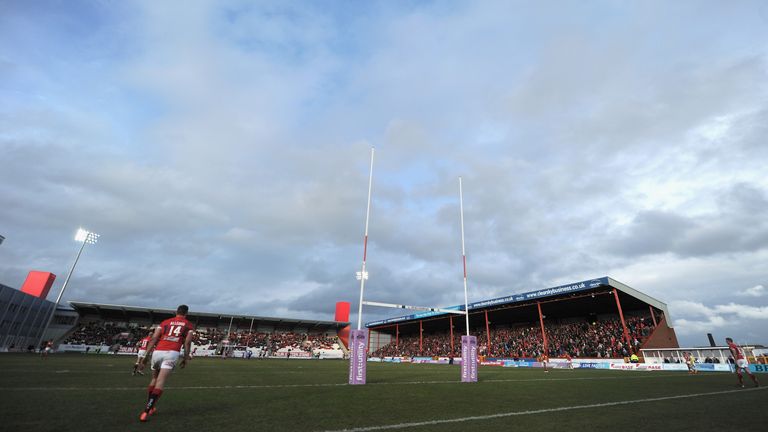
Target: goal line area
[621,377]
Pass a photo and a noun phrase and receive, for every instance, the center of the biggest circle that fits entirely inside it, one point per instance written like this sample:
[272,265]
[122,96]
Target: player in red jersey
[741,362]
[544,359]
[167,341]
[138,367]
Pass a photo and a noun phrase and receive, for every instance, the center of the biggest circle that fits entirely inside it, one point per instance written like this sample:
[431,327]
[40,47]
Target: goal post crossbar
[422,308]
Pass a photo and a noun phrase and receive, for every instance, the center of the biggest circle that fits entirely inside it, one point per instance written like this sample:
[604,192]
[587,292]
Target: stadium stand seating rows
[96,333]
[599,339]
[105,333]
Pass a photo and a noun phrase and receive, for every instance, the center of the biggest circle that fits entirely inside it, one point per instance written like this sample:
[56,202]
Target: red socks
[154,395]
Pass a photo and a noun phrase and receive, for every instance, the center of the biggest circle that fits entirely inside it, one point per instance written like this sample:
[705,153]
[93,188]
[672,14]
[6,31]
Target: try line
[268,386]
[540,411]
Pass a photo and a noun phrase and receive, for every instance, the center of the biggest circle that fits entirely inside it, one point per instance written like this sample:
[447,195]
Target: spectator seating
[106,333]
[599,339]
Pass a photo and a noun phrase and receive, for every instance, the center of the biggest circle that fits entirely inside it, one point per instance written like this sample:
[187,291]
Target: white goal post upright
[363,274]
[468,343]
[358,339]
[463,254]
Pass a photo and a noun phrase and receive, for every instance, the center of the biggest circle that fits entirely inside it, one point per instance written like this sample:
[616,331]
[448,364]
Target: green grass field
[90,393]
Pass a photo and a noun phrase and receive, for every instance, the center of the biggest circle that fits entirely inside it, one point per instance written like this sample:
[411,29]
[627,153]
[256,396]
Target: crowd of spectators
[597,339]
[323,342]
[101,333]
[213,338]
[432,345]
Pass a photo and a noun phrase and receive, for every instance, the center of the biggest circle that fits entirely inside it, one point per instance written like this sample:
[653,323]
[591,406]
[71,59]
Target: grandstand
[596,318]
[117,328]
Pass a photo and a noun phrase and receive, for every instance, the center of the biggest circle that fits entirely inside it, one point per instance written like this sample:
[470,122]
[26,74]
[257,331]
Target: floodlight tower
[84,237]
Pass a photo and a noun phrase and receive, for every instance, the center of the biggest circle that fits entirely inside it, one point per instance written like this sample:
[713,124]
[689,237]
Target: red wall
[344,335]
[342,315]
[342,311]
[38,283]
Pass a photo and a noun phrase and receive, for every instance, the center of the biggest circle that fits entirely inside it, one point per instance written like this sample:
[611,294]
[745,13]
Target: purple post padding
[468,359]
[358,356]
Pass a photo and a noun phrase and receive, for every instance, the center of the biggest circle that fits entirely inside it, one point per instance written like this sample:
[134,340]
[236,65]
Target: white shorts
[164,359]
[742,363]
[141,354]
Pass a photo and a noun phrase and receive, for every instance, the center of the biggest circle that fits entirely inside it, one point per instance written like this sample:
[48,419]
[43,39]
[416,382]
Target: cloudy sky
[221,149]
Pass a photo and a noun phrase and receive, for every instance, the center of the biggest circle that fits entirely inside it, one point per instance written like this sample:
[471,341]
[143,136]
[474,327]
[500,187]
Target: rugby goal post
[358,338]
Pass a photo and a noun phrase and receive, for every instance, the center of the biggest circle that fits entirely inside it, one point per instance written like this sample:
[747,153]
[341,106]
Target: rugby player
[690,362]
[138,367]
[741,362]
[47,350]
[167,341]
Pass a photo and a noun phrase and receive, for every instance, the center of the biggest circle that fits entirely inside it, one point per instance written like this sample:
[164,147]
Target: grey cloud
[652,232]
[738,226]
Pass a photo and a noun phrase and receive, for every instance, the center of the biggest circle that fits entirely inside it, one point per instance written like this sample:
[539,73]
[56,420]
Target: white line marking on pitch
[540,411]
[264,386]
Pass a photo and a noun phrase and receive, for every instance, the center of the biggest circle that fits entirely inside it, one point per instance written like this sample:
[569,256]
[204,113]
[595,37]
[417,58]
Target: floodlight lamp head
[86,236]
[361,275]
